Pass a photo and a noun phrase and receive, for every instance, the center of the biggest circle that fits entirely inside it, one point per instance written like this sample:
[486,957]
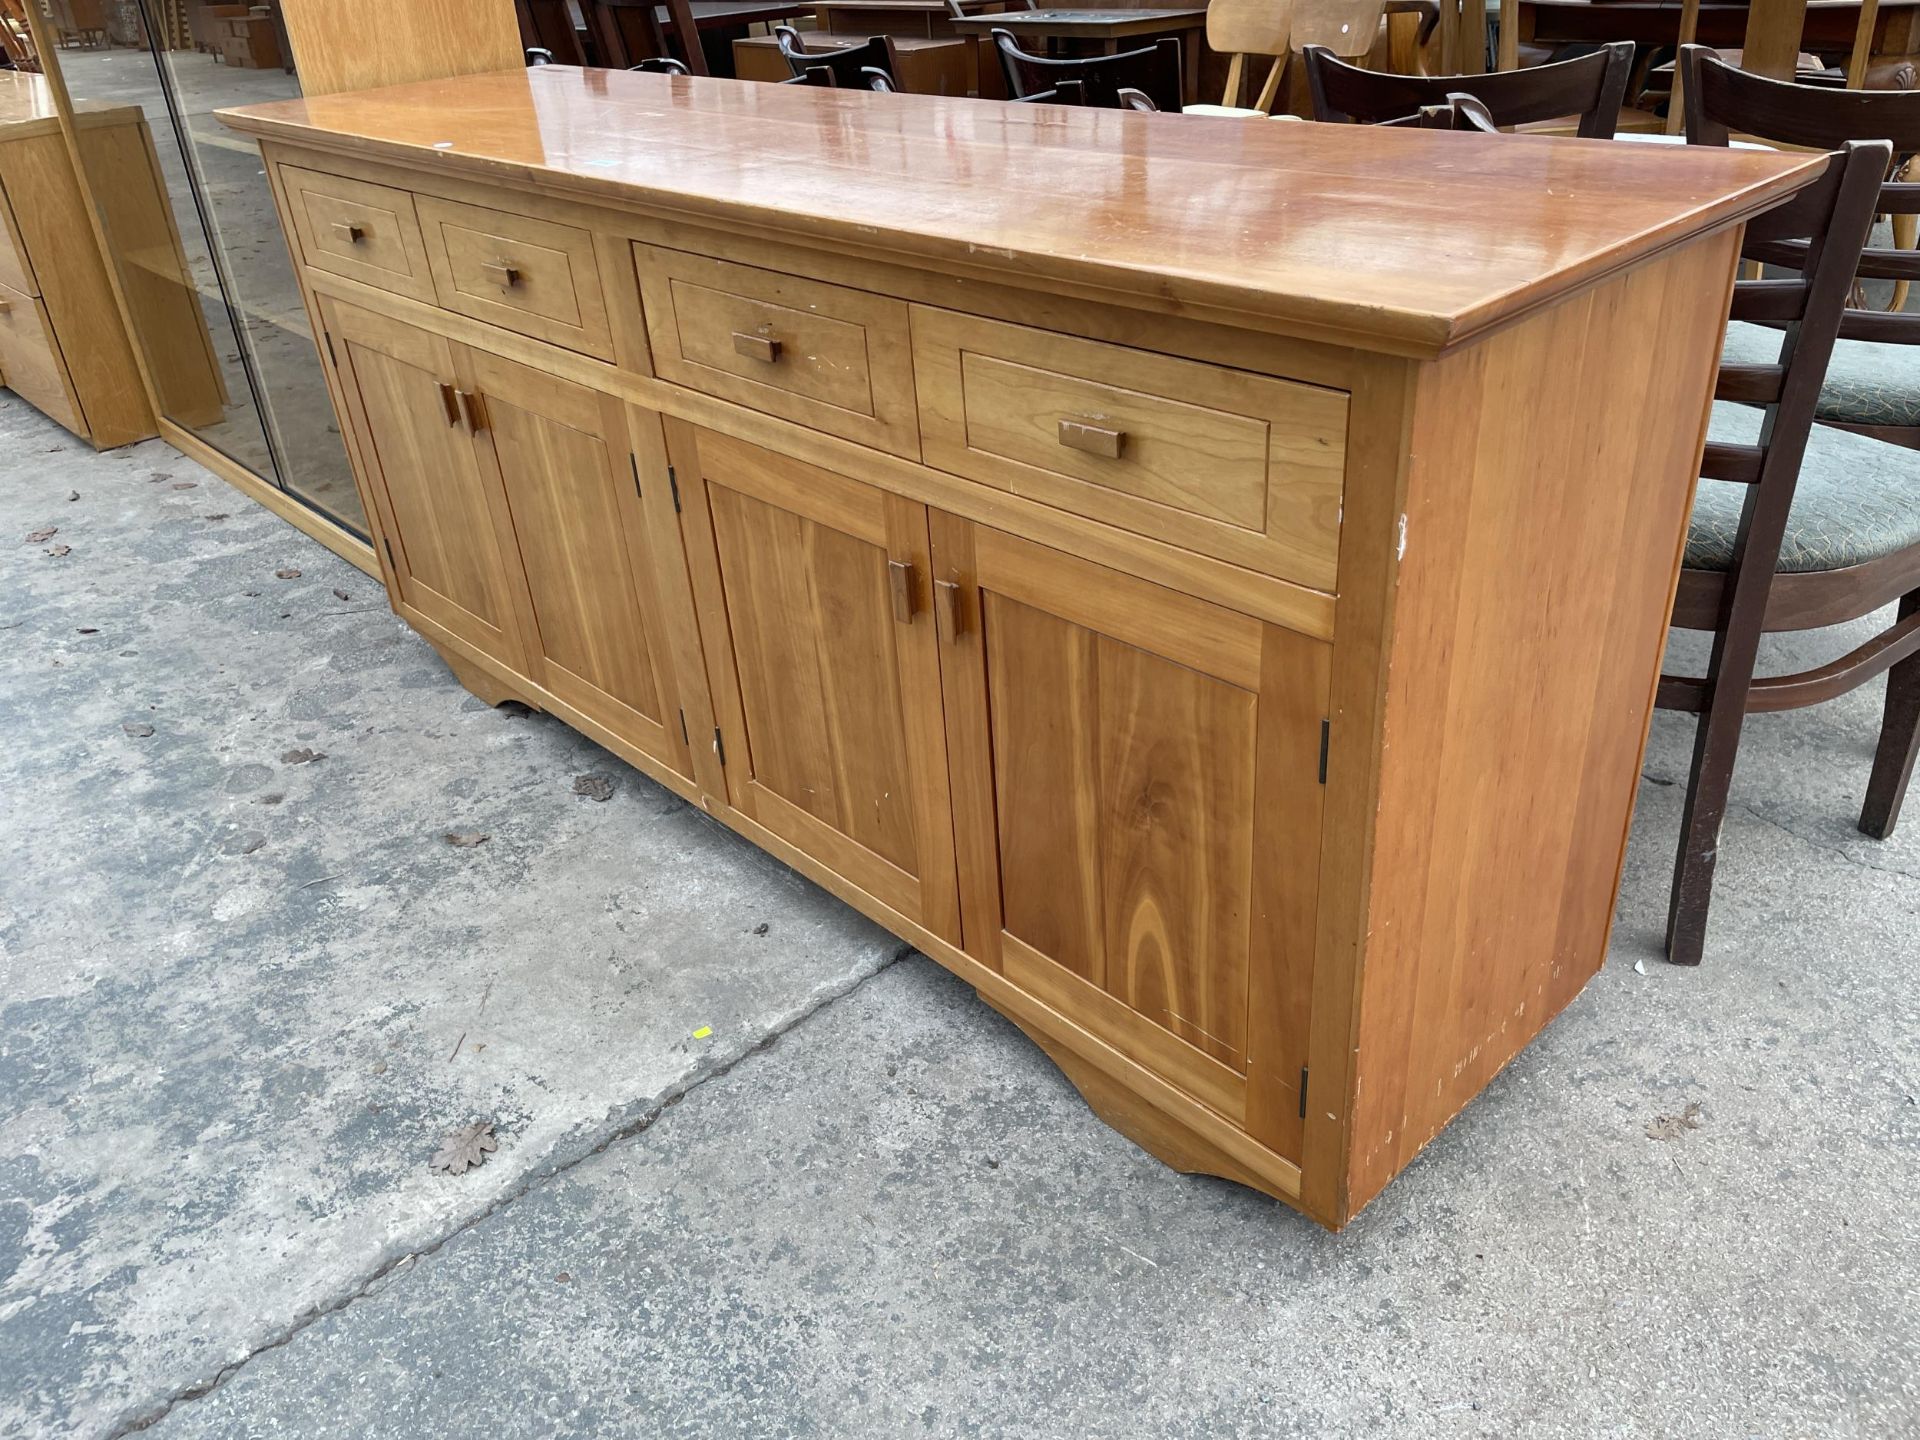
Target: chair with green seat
[1796,526]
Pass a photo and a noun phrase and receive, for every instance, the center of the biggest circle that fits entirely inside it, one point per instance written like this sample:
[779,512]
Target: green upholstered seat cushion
[1858,500]
[1867,383]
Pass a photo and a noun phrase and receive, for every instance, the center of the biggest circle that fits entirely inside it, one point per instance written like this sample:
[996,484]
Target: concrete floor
[241,1000]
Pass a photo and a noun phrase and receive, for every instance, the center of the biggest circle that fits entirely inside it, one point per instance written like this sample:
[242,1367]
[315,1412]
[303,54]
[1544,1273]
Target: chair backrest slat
[1751,384]
[1591,87]
[846,62]
[1742,464]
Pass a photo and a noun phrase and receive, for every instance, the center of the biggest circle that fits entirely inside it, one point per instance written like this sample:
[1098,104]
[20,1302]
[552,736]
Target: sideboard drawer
[30,362]
[523,274]
[822,355]
[354,228]
[1237,465]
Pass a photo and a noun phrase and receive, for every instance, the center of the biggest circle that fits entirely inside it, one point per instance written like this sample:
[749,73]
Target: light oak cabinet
[1219,635]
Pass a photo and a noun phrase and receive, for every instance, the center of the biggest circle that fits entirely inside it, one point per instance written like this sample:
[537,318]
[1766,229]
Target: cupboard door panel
[815,595]
[450,552]
[1148,813]
[597,566]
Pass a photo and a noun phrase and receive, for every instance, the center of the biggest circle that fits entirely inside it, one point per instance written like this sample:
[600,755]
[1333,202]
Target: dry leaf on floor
[72,496]
[341,595]
[89,630]
[186,484]
[138,728]
[217,515]
[466,839]
[302,756]
[58,550]
[286,574]
[34,537]
[1672,1127]
[465,1148]
[594,787]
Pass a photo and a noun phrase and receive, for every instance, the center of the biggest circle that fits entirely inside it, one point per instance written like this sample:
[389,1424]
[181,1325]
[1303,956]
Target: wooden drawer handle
[352,234]
[756,347]
[900,580]
[1094,439]
[452,405]
[5,306]
[476,411]
[506,275]
[946,609]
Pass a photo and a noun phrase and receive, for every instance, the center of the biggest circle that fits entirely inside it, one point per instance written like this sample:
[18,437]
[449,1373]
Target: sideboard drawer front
[532,276]
[1222,461]
[358,229]
[31,362]
[835,359]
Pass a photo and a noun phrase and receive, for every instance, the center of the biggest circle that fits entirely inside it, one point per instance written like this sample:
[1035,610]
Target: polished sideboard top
[1395,240]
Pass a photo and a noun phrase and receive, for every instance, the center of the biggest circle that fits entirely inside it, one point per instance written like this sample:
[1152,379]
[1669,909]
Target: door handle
[756,347]
[475,410]
[352,234]
[453,405]
[900,581]
[946,609]
[507,276]
[1094,439]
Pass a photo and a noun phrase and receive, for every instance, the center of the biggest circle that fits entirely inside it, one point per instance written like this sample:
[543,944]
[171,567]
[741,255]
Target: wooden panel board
[364,231]
[518,271]
[360,44]
[1551,474]
[30,361]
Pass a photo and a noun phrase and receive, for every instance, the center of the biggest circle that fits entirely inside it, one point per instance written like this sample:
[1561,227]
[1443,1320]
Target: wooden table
[1205,586]
[1107,31]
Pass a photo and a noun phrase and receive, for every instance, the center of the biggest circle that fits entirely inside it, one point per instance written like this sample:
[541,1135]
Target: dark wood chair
[548,25]
[1456,112]
[1153,70]
[878,80]
[1873,384]
[661,65]
[818,75]
[1796,526]
[847,64]
[628,31]
[538,55]
[1592,87]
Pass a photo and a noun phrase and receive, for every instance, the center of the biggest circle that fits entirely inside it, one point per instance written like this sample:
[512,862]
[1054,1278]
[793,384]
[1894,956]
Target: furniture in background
[63,347]
[203,19]
[1106,32]
[1590,88]
[1829,26]
[79,22]
[1797,526]
[1238,29]
[249,40]
[701,30]
[1155,70]
[944,66]
[417,40]
[1123,597]
[549,25]
[843,62]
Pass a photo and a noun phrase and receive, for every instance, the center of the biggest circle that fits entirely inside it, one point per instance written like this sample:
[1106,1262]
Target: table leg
[1190,66]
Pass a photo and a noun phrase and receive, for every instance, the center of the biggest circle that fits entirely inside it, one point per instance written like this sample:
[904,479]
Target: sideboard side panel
[1552,468]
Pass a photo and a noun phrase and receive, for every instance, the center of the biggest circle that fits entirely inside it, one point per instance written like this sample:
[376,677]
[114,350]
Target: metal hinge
[685,739]
[1303,1092]
[634,461]
[674,481]
[1326,733]
[719,745]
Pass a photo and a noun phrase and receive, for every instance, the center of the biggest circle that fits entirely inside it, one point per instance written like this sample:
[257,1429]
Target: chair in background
[1153,70]
[1591,87]
[548,25]
[661,65]
[1795,526]
[627,32]
[1456,112]
[538,56]
[818,75]
[846,63]
[878,80]
[1237,29]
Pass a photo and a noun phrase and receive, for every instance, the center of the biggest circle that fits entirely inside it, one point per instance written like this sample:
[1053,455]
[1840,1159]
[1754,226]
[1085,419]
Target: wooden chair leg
[1899,742]
[1716,745]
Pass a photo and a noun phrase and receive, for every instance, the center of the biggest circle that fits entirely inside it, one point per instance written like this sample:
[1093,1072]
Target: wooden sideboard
[1201,582]
[63,347]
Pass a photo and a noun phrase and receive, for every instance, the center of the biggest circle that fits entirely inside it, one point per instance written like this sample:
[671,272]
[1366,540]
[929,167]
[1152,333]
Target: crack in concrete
[1828,846]
[539,1175]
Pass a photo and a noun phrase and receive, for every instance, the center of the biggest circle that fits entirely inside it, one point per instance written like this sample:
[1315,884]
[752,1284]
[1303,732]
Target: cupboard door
[1138,816]
[449,549]
[599,554]
[814,603]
